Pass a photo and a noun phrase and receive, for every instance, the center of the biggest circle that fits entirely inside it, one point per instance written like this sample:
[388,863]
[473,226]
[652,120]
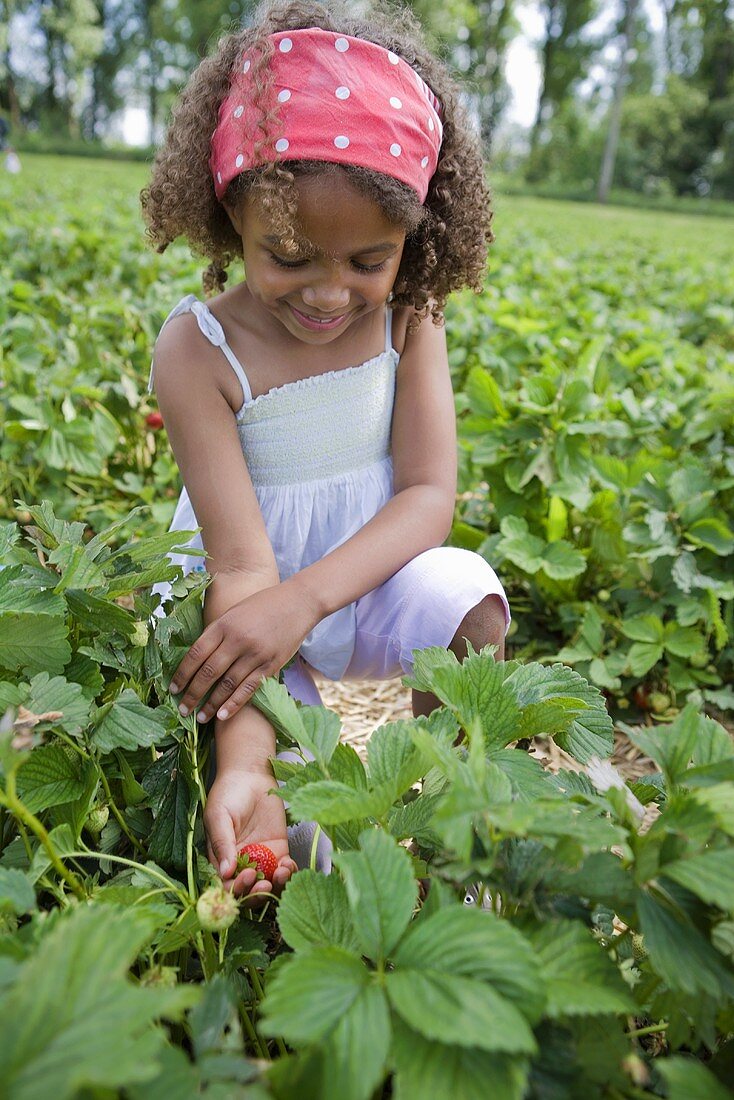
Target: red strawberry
[257,855]
[154,420]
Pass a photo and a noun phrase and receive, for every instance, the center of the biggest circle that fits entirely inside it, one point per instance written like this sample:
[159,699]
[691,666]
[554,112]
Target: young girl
[309,407]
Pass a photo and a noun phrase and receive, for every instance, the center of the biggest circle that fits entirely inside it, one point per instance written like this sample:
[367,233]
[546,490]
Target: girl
[309,407]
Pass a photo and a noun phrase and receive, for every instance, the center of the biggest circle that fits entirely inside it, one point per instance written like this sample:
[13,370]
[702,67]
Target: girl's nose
[327,295]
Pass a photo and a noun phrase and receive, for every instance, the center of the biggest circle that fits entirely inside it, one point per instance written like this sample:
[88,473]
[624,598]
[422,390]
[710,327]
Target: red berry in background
[154,420]
[260,856]
[642,697]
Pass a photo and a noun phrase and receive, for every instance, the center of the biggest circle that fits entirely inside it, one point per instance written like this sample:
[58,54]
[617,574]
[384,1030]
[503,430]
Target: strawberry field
[490,929]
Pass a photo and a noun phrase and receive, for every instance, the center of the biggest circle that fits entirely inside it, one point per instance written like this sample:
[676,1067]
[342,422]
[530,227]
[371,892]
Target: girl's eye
[287,263]
[370,268]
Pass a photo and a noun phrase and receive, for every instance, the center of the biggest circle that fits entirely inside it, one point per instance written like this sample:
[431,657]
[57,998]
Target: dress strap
[211,328]
[388,329]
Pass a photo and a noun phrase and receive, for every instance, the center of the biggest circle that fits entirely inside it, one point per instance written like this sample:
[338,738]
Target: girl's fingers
[215,668]
[205,645]
[227,699]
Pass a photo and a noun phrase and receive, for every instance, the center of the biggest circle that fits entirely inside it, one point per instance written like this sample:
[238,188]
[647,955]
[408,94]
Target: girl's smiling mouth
[318,324]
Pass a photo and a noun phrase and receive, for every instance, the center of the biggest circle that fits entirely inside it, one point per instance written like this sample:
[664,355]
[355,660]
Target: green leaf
[683,641]
[580,978]
[561,561]
[714,534]
[709,875]
[475,691]
[357,1049]
[16,892]
[455,1009]
[643,656]
[311,992]
[682,957]
[394,761]
[72,1021]
[128,724]
[47,694]
[644,628]
[381,889]
[484,393]
[32,642]
[588,735]
[671,747]
[331,803]
[322,729]
[49,777]
[689,1079]
[280,709]
[314,912]
[167,841]
[426,1068]
[465,941]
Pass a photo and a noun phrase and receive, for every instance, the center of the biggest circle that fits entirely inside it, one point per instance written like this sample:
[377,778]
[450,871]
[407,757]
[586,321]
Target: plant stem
[251,1033]
[257,986]
[652,1030]
[119,818]
[10,799]
[170,886]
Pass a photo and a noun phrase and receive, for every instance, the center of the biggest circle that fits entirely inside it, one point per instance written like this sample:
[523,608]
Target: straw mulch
[364,705]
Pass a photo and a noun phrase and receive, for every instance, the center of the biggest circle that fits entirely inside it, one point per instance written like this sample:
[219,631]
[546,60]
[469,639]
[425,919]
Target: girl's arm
[256,637]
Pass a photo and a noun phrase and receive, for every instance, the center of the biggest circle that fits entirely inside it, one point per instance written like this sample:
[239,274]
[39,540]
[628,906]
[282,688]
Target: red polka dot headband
[337,99]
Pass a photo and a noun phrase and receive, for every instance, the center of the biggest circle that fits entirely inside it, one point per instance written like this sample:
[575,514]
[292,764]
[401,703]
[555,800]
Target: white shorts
[419,606]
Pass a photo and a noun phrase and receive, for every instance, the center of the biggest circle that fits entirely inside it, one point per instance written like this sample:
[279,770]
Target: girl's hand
[253,639]
[240,811]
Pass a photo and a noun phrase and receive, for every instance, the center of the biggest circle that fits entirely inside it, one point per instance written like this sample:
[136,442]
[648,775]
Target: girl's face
[345,268]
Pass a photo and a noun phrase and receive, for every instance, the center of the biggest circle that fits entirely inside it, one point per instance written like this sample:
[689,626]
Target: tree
[566,52]
[615,111]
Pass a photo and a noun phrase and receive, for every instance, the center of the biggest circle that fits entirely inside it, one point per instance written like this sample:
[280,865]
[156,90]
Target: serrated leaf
[689,1079]
[644,628]
[455,1009]
[331,803]
[562,561]
[280,709]
[78,975]
[426,1068]
[714,534]
[580,978]
[679,953]
[49,777]
[475,691]
[47,694]
[591,733]
[167,841]
[365,1026]
[671,747]
[381,889]
[128,724]
[31,643]
[321,732]
[393,759]
[311,992]
[314,912]
[643,656]
[16,892]
[709,875]
[465,941]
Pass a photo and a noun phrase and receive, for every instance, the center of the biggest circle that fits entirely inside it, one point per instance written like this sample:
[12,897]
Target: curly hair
[446,237]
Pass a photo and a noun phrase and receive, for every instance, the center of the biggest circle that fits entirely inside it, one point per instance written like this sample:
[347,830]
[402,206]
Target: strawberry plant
[489,927]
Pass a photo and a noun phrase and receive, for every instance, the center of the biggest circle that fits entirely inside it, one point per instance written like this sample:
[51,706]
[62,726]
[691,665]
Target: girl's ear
[235,216]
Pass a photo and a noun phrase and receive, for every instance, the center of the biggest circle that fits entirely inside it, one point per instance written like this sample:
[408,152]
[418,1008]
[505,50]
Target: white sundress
[318,453]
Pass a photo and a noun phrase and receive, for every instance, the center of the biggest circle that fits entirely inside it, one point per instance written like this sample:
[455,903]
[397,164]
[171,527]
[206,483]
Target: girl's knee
[484,624]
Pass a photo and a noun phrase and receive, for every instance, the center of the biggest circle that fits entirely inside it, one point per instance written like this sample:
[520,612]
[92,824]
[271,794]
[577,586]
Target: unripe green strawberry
[638,947]
[97,819]
[164,976]
[216,909]
[660,702]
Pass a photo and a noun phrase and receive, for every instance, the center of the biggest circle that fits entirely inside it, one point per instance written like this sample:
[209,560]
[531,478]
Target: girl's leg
[484,624]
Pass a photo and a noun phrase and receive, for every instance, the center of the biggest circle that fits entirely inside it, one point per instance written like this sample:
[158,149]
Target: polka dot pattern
[332,93]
